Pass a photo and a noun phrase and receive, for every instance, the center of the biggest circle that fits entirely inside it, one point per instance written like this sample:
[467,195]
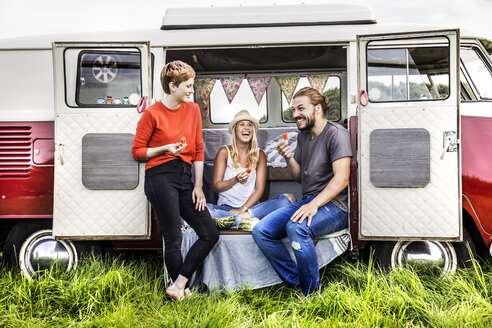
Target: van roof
[266,16]
[242,26]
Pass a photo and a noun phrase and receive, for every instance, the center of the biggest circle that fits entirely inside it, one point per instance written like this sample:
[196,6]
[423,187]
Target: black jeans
[168,187]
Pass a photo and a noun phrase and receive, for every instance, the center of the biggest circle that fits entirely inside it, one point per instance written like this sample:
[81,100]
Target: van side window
[331,90]
[408,72]
[478,71]
[466,91]
[223,111]
[107,78]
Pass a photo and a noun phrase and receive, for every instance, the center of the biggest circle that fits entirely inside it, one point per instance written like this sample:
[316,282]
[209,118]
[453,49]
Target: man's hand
[305,211]
[283,149]
[198,198]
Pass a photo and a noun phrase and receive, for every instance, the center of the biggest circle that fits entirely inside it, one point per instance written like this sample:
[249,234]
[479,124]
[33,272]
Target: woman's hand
[243,214]
[242,177]
[198,198]
[176,148]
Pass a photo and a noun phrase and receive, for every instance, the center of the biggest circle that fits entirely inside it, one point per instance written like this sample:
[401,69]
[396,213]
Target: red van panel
[26,186]
[476,140]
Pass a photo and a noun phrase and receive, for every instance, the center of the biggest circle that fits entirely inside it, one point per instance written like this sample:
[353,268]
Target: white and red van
[417,102]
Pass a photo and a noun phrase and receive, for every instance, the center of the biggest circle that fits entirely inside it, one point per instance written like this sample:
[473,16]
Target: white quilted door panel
[391,205]
[431,211]
[81,211]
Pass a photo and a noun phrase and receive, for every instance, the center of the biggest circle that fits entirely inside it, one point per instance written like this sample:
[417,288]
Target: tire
[87,249]
[381,253]
[465,251]
[424,254]
[19,233]
[31,248]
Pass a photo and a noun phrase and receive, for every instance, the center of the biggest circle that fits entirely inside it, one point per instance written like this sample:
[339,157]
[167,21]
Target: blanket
[236,261]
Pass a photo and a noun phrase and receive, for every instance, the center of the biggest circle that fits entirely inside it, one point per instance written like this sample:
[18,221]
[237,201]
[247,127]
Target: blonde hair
[252,151]
[175,72]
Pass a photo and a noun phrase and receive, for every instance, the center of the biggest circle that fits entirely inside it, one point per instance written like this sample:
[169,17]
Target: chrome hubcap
[424,255]
[41,252]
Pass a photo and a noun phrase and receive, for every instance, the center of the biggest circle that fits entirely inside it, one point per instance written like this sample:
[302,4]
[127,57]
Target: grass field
[130,293]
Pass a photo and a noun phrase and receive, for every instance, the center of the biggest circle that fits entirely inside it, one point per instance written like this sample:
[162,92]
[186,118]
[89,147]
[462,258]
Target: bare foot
[187,292]
[175,293]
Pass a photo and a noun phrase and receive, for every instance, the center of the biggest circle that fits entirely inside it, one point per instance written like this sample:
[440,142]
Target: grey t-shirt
[315,157]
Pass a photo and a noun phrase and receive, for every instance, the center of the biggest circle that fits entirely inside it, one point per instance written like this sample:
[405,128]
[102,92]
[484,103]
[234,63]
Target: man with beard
[321,164]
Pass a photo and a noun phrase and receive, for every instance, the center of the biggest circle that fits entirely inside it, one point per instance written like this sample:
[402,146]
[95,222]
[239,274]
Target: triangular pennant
[288,85]
[203,88]
[258,85]
[231,85]
[318,81]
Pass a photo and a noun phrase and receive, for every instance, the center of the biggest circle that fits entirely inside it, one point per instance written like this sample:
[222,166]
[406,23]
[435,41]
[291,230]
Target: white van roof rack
[266,16]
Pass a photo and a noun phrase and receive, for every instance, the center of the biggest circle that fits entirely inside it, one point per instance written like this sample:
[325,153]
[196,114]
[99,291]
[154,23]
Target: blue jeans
[259,211]
[277,225]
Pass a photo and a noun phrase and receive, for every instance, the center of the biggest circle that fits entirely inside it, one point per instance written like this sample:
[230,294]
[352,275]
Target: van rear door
[98,190]
[408,136]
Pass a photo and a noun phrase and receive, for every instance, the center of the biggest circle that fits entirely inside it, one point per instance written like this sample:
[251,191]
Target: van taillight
[15,151]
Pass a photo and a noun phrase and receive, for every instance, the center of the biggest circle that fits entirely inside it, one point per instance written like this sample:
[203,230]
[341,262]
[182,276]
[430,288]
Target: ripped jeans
[276,225]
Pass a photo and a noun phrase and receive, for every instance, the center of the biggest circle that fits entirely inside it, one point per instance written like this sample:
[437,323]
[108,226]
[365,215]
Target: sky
[32,17]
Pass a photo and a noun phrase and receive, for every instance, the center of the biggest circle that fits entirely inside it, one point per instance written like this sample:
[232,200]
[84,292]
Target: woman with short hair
[170,147]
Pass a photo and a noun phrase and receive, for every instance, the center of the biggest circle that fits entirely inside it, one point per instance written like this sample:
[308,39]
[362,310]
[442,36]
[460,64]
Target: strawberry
[284,135]
[182,141]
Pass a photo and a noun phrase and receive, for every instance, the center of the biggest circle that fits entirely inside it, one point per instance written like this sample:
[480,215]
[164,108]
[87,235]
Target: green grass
[130,293]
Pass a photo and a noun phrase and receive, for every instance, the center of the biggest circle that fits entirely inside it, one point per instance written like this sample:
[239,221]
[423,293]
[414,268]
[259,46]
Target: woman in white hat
[240,171]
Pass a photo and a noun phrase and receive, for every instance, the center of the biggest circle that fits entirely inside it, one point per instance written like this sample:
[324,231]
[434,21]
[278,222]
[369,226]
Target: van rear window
[107,78]
[226,100]
[407,72]
[331,90]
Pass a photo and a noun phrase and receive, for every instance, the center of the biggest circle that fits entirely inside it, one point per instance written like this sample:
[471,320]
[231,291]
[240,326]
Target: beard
[309,122]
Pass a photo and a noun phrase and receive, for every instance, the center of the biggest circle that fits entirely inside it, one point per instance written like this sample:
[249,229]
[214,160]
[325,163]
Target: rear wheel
[31,247]
[425,254]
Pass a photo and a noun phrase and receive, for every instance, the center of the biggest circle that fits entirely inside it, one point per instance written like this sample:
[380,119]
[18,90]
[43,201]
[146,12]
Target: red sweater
[160,126]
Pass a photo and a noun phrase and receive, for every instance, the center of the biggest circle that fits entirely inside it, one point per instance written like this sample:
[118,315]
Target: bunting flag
[258,85]
[288,85]
[203,88]
[231,85]
[318,81]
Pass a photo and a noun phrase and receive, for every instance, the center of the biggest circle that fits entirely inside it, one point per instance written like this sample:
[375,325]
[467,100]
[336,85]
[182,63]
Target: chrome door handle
[450,143]
[61,148]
